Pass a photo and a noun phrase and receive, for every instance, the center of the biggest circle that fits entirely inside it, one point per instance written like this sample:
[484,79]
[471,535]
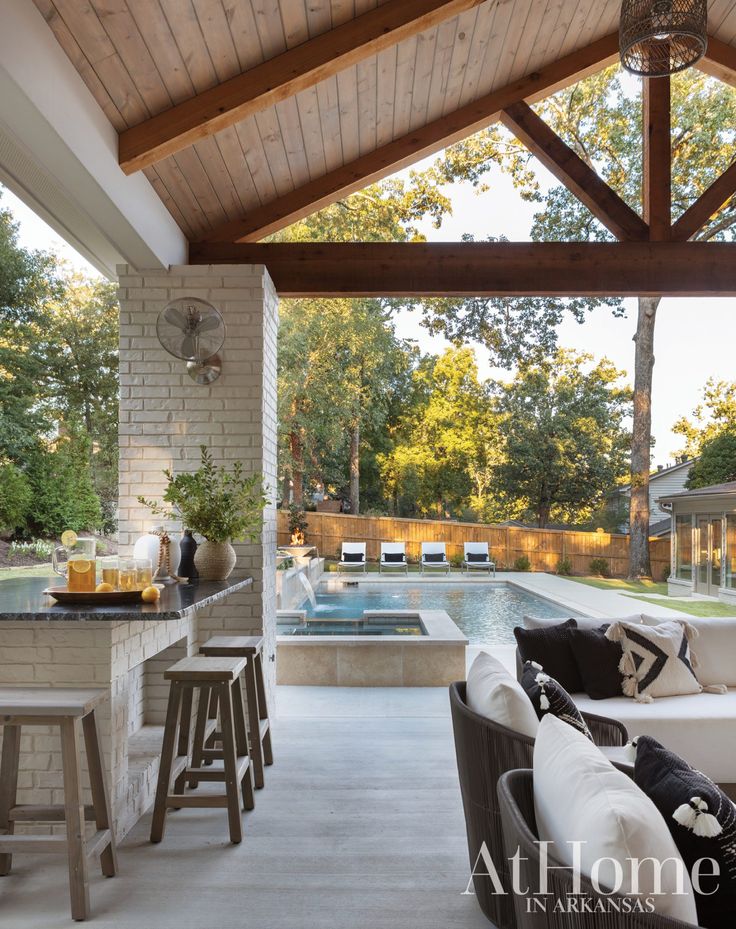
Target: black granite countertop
[22,598]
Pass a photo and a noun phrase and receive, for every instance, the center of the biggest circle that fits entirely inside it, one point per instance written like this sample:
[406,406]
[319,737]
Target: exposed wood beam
[603,202]
[283,76]
[426,140]
[719,61]
[657,173]
[559,269]
[707,205]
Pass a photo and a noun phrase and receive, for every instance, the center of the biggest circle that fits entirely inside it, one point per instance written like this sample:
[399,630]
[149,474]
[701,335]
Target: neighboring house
[664,482]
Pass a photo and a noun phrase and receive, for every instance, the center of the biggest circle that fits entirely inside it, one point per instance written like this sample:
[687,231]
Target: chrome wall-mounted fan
[193,330]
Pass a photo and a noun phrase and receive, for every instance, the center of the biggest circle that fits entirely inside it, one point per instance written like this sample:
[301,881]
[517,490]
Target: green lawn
[618,585]
[692,607]
[43,570]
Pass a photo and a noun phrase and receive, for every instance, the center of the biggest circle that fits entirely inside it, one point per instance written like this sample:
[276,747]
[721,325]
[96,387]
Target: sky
[694,337]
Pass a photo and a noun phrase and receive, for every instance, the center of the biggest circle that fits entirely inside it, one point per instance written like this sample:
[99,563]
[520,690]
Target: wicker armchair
[484,752]
[516,800]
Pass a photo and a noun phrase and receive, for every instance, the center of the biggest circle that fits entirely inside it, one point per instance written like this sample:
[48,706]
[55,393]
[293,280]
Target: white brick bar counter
[124,648]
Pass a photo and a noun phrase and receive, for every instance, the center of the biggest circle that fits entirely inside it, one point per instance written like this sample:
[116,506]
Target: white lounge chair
[355,552]
[434,555]
[475,555]
[396,552]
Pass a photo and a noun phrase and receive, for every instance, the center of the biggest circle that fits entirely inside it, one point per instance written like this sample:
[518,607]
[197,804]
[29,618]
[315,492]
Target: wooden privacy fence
[544,548]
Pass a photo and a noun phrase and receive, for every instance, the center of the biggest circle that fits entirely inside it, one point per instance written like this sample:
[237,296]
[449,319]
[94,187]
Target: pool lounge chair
[434,556]
[393,555]
[352,555]
[475,555]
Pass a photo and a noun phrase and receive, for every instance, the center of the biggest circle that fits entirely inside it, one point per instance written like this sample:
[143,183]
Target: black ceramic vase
[186,564]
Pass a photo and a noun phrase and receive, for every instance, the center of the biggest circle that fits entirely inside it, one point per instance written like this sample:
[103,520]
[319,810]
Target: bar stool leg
[200,728]
[241,742]
[167,757]
[74,816]
[254,721]
[185,728]
[263,709]
[8,788]
[98,786]
[230,763]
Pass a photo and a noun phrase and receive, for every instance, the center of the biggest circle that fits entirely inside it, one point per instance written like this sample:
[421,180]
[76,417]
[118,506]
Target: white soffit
[58,153]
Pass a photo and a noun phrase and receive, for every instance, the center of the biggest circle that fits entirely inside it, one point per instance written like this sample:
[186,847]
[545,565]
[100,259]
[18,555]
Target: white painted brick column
[165,416]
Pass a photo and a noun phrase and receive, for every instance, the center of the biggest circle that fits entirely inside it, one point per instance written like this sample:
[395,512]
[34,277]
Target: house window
[684,547]
[730,554]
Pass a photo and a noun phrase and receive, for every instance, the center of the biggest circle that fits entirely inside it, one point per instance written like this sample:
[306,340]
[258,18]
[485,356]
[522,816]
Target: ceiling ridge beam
[423,141]
[279,78]
[570,169]
[706,206]
[493,269]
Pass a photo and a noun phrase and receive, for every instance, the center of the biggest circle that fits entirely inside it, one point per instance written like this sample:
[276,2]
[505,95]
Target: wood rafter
[603,202]
[657,173]
[706,206]
[560,269]
[426,140]
[283,76]
[719,61]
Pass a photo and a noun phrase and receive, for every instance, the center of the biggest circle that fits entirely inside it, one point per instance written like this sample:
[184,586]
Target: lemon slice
[81,565]
[68,538]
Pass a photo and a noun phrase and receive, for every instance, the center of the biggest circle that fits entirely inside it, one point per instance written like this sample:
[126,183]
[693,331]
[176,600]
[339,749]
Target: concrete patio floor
[360,826]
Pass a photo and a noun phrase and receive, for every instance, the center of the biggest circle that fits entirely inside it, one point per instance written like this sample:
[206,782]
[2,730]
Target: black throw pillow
[550,647]
[435,557]
[353,556]
[394,557]
[598,662]
[702,820]
[477,556]
[548,696]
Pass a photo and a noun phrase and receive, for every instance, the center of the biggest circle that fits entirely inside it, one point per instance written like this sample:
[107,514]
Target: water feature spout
[306,584]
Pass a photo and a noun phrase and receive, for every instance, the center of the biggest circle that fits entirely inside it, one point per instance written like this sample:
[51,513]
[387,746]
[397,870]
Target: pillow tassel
[691,633]
[541,680]
[715,689]
[615,632]
[630,749]
[695,817]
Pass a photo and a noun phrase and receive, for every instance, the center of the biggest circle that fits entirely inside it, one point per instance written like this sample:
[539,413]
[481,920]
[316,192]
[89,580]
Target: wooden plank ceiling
[141,57]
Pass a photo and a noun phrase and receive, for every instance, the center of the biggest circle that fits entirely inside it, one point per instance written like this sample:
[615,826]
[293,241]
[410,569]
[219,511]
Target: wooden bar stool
[259,725]
[71,710]
[209,676]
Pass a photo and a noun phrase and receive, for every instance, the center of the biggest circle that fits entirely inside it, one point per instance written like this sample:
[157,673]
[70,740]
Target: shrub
[599,568]
[522,563]
[564,567]
[297,520]
[15,498]
[666,573]
[456,561]
[63,494]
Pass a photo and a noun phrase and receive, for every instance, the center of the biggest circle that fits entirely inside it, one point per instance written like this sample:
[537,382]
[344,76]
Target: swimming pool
[485,613]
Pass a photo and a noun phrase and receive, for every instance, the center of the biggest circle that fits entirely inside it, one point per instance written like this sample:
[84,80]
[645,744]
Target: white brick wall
[165,416]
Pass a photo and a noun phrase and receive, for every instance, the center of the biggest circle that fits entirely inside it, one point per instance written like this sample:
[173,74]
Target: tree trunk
[355,469]
[641,439]
[297,476]
[286,492]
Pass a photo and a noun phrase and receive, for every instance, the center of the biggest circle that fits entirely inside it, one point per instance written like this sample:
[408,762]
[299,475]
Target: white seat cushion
[584,622]
[492,692]
[580,797]
[698,727]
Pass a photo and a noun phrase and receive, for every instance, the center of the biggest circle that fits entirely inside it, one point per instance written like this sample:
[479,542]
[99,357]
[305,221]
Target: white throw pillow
[715,647]
[492,692]
[580,797]
[584,622]
[656,660]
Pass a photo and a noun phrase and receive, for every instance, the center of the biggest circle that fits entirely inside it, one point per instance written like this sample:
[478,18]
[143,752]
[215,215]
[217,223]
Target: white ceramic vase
[214,560]
[147,546]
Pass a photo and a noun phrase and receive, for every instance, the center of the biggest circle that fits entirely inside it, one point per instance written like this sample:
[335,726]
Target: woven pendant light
[661,37]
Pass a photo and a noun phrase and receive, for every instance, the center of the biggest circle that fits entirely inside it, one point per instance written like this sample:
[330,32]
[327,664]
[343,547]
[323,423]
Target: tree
[15,497]
[565,445]
[445,443]
[600,118]
[717,461]
[714,414]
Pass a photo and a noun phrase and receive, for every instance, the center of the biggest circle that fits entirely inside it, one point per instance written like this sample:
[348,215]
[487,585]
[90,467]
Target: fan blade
[176,318]
[210,322]
[189,348]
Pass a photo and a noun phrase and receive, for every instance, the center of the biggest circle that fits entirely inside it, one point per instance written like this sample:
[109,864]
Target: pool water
[485,613]
[351,627]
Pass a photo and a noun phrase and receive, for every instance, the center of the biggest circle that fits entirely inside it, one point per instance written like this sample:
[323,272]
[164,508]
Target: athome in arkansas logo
[632,887]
